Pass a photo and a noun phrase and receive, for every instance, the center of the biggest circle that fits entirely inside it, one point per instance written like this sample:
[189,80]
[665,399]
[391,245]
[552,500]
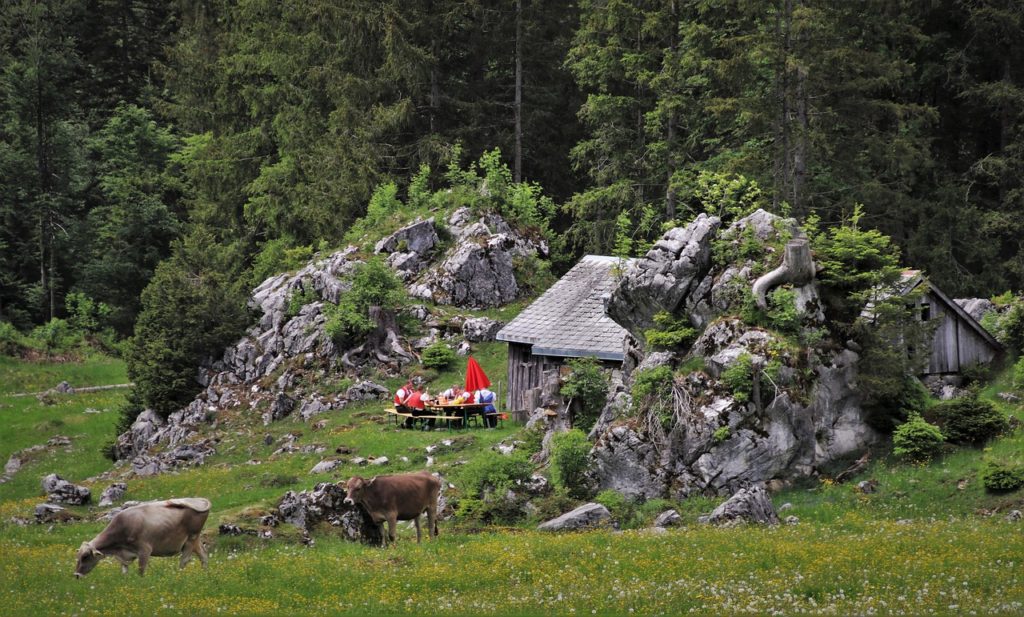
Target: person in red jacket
[417,406]
[402,397]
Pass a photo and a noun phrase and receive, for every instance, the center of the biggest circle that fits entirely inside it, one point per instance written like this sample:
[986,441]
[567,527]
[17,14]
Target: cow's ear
[97,553]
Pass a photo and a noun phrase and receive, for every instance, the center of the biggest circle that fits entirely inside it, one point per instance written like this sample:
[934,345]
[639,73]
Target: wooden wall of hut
[525,372]
[955,344]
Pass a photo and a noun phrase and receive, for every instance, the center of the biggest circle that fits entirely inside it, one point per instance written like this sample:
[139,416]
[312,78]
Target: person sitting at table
[402,397]
[417,406]
[486,398]
[453,395]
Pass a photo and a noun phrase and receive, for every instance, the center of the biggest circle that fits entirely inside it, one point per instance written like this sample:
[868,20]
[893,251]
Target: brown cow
[157,528]
[395,498]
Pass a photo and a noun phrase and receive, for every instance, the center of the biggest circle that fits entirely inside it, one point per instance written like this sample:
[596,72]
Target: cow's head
[88,557]
[354,489]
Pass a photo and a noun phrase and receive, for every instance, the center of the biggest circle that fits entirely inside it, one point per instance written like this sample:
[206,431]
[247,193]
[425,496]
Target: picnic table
[463,411]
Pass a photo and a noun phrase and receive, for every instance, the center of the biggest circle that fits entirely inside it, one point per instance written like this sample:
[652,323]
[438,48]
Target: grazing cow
[395,498]
[157,529]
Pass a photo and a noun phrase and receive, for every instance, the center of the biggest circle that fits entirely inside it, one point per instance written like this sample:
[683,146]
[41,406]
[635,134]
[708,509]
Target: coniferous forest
[205,139]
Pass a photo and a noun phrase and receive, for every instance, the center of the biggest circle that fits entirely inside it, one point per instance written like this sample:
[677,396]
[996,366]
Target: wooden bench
[391,412]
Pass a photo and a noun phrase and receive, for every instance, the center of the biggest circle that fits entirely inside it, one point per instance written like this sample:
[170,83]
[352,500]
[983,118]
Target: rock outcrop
[797,409]
[59,490]
[326,503]
[748,505]
[584,517]
[478,271]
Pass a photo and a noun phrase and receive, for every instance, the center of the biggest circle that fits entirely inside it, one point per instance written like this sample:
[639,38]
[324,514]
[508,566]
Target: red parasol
[475,376]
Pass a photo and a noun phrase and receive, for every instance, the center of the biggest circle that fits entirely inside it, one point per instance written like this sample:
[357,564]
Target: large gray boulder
[409,248]
[114,492]
[666,277]
[586,516]
[59,490]
[326,503]
[748,505]
[481,329]
[622,460]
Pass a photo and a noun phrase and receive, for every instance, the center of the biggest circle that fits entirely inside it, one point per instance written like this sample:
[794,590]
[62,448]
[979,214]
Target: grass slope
[915,547]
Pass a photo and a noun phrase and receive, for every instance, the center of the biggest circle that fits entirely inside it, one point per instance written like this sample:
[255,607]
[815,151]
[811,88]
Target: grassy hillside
[918,545]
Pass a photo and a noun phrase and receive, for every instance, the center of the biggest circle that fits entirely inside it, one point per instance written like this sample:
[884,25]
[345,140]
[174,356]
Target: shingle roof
[568,319]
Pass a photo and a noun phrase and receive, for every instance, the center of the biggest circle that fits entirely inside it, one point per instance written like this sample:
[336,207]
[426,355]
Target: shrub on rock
[569,455]
[439,355]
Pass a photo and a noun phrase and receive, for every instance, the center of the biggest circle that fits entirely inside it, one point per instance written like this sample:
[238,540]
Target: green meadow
[930,541]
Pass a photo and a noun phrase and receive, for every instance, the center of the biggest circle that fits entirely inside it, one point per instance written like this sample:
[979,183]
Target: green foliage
[533,275]
[781,316]
[652,392]
[916,440]
[569,456]
[438,355]
[299,298]
[729,196]
[587,385]
[1018,374]
[373,285]
[977,374]
[1001,476]
[623,239]
[892,397]
[721,434]
[55,336]
[493,473]
[1008,325]
[739,378]
[193,307]
[12,343]
[279,255]
[969,420]
[85,315]
[669,332]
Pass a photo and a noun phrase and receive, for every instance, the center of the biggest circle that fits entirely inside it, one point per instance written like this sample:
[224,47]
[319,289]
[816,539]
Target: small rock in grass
[668,518]
[380,460]
[114,492]
[791,520]
[1014,515]
[785,506]
[325,466]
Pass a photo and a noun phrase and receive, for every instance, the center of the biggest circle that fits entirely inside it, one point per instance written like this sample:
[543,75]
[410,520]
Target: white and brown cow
[154,529]
[401,497]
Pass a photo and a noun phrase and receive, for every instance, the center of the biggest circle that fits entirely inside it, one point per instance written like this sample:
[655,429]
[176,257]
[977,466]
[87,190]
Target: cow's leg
[383,533]
[392,522]
[201,551]
[186,553]
[416,521]
[145,551]
[432,520]
[124,563]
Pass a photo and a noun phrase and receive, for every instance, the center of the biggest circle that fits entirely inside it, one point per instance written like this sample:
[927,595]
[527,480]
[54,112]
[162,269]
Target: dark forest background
[214,136]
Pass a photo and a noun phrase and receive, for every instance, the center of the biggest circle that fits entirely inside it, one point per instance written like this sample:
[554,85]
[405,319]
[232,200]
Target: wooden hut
[567,321]
[959,340]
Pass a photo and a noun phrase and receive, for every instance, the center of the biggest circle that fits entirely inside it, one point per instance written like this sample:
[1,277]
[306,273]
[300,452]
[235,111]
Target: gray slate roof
[568,320]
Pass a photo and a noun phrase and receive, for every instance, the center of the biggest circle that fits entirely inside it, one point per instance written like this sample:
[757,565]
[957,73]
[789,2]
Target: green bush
[739,378]
[55,336]
[587,386]
[669,332]
[85,315]
[12,343]
[279,255]
[652,391]
[569,453]
[493,472]
[969,421]
[917,440]
[1018,374]
[893,398]
[438,355]
[298,299]
[373,284]
[721,434]
[1000,476]
[622,508]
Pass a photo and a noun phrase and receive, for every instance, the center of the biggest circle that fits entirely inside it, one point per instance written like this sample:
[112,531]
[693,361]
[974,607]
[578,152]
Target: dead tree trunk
[382,343]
